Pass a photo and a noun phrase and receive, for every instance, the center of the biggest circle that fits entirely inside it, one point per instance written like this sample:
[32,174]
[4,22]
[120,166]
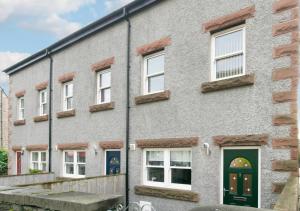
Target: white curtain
[181,156]
[155,156]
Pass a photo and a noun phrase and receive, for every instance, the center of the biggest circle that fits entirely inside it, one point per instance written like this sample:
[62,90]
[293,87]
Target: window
[170,168]
[228,53]
[21,108]
[68,97]
[103,87]
[43,102]
[39,161]
[74,163]
[154,68]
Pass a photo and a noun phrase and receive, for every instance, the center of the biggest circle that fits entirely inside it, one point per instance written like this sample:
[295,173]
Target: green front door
[240,177]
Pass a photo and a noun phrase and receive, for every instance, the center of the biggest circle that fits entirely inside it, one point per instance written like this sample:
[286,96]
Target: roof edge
[94,27]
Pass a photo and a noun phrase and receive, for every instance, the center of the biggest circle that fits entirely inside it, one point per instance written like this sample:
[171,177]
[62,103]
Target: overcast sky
[27,26]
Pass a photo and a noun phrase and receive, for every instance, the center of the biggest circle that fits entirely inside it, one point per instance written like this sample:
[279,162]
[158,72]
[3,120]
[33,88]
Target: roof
[101,24]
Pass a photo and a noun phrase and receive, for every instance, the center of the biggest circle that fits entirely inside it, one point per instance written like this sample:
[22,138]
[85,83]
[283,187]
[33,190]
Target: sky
[27,26]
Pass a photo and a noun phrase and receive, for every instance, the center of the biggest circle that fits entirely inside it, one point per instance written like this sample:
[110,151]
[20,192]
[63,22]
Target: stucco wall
[4,119]
[188,112]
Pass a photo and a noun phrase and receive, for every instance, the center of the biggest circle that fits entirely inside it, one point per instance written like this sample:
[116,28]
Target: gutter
[48,54]
[127,105]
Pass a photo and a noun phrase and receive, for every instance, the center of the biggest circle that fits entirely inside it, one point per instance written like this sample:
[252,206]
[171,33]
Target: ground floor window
[74,163]
[39,161]
[168,168]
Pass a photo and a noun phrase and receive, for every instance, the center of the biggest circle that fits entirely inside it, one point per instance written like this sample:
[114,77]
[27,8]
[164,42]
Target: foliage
[3,162]
[35,171]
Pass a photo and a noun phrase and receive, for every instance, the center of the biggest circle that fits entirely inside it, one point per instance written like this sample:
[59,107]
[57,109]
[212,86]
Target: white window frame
[167,169]
[213,58]
[21,110]
[105,155]
[99,88]
[65,98]
[42,112]
[39,162]
[75,163]
[145,90]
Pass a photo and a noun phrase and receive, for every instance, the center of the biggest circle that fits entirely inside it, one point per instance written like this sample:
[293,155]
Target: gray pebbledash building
[195,100]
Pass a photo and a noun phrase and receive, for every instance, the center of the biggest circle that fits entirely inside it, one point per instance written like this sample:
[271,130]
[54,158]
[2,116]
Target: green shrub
[3,162]
[35,171]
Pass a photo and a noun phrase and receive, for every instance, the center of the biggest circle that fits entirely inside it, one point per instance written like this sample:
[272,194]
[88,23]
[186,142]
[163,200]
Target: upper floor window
[43,102]
[168,168]
[103,87]
[39,161]
[154,70]
[21,108]
[68,96]
[228,53]
[74,163]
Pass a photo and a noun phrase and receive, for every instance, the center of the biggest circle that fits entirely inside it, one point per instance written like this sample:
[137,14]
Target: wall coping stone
[64,114]
[40,118]
[20,93]
[111,144]
[150,98]
[281,5]
[16,148]
[102,107]
[103,64]
[284,165]
[41,86]
[19,122]
[36,147]
[241,140]
[229,20]
[70,146]
[168,142]
[66,77]
[183,195]
[154,46]
[244,80]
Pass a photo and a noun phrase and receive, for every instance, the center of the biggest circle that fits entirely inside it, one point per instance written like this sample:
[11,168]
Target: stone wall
[14,180]
[96,185]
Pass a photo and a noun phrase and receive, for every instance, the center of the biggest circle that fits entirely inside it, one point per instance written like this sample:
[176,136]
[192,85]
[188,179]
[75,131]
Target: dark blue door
[113,160]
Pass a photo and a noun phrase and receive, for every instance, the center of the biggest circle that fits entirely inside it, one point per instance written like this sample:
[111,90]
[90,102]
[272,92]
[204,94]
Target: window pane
[156,83]
[81,169]
[180,158]
[240,162]
[81,157]
[229,66]
[44,167]
[229,43]
[247,184]
[43,156]
[105,79]
[155,65]
[105,95]
[156,174]
[44,109]
[69,156]
[181,176]
[69,168]
[35,156]
[155,158]
[35,166]
[233,183]
[70,103]
[22,103]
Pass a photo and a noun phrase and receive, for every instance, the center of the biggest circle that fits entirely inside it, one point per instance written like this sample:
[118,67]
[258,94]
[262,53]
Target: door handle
[225,190]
